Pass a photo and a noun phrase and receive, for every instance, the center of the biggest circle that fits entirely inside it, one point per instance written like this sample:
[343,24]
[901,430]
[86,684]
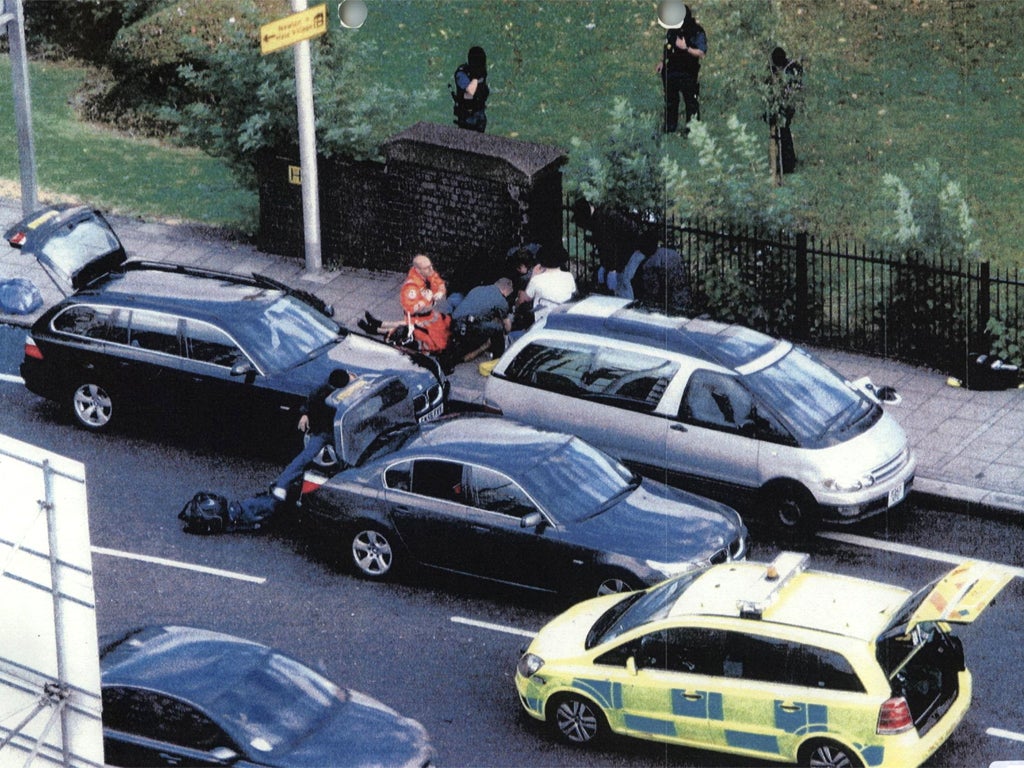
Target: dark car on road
[186,341]
[496,499]
[186,696]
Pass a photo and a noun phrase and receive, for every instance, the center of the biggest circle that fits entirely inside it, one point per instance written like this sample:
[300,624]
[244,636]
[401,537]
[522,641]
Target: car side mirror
[631,666]
[531,520]
[242,369]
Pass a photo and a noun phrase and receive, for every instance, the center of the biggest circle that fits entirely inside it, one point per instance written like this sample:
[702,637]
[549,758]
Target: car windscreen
[578,480]
[812,401]
[285,333]
[275,704]
[638,609]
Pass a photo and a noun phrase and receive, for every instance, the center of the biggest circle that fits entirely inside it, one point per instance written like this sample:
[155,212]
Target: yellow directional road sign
[292,29]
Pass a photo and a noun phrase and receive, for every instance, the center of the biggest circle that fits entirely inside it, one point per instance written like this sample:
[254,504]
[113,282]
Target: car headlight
[849,484]
[672,569]
[529,665]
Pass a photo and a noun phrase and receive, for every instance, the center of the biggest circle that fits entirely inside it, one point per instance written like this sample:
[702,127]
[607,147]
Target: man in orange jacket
[422,297]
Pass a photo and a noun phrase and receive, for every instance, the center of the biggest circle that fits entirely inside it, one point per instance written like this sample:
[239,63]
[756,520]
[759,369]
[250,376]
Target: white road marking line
[493,627]
[906,549]
[179,564]
[1000,733]
[10,378]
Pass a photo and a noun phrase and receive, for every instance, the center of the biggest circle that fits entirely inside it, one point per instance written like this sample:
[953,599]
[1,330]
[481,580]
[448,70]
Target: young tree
[931,227]
[629,170]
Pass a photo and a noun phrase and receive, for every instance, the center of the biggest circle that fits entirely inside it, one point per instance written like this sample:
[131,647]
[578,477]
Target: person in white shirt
[551,284]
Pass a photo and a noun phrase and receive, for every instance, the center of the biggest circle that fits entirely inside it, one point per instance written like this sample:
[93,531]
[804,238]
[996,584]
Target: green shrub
[241,102]
[147,55]
[626,170]
[84,29]
[931,226]
[1007,338]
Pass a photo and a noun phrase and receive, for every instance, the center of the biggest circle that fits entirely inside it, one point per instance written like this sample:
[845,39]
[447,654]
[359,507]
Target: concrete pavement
[968,443]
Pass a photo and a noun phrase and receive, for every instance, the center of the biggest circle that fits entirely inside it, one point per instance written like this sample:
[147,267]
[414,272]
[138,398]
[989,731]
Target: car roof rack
[255,279]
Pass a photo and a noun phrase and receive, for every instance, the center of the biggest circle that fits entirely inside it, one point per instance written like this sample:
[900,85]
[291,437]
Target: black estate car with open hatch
[190,343]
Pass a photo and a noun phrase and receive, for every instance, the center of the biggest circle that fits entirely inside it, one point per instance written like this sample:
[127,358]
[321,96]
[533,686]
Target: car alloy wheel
[612,585]
[92,406]
[578,721]
[326,457]
[828,754]
[372,553]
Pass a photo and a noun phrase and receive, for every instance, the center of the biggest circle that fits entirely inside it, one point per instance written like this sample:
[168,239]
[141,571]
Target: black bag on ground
[205,513]
[252,513]
[989,372]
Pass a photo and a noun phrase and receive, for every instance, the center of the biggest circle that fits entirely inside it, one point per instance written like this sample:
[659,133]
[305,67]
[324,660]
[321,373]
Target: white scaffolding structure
[49,663]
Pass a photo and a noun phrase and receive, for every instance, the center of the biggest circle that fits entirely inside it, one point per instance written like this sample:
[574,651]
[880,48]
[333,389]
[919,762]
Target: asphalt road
[439,649]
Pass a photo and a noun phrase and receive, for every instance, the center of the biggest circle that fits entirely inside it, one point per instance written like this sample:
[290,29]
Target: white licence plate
[896,495]
[439,411]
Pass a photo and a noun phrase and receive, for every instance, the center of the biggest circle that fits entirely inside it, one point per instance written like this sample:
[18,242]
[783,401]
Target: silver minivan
[719,409]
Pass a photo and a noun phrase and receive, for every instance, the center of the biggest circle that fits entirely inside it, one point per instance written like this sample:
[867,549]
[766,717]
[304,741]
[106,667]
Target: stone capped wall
[463,197]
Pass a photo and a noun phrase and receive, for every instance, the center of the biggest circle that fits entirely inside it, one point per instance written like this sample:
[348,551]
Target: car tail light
[31,350]
[17,240]
[894,717]
[312,481]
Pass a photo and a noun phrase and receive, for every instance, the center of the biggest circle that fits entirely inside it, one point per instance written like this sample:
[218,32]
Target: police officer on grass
[686,44]
[471,91]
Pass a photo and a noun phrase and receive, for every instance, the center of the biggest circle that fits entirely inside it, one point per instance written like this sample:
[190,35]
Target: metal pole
[14,19]
[60,631]
[307,150]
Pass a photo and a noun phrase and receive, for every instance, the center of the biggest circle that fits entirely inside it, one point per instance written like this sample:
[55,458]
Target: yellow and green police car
[773,661]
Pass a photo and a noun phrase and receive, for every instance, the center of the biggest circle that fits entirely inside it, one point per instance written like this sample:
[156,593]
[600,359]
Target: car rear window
[75,245]
[84,320]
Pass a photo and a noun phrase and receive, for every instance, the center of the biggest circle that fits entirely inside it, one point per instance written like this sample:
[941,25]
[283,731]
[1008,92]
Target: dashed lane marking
[907,549]
[179,564]
[493,627]
[1000,733]
[11,379]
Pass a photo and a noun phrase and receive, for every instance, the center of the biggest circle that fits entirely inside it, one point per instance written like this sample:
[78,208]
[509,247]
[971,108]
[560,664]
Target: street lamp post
[12,20]
[307,150]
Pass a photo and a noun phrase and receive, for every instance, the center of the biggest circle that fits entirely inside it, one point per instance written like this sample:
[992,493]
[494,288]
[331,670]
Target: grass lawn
[78,161]
[889,84]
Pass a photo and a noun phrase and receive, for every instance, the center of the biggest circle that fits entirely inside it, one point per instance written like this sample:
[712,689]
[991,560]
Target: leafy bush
[241,102]
[1007,338]
[931,226]
[84,29]
[626,170]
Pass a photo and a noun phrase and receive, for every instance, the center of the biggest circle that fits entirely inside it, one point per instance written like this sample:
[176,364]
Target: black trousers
[676,85]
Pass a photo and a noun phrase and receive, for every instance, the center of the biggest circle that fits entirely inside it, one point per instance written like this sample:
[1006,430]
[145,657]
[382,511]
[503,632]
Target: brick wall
[463,197]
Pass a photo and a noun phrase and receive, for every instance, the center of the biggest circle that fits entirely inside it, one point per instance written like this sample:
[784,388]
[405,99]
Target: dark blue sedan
[185,696]
[499,500]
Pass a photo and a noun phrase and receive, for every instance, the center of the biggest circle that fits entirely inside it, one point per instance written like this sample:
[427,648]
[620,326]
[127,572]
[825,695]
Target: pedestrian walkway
[968,443]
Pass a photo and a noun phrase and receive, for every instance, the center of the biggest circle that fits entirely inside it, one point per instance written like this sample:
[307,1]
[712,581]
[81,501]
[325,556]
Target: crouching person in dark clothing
[481,320]
[317,422]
